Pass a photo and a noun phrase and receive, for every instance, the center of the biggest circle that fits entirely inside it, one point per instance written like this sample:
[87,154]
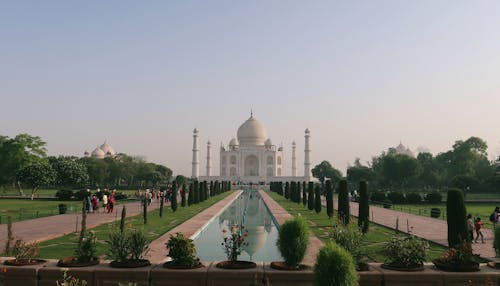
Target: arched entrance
[251,166]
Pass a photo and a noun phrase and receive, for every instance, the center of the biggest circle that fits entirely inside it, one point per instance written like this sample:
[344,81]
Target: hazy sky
[361,75]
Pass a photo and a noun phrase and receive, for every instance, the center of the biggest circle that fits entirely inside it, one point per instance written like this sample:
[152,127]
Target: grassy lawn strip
[373,242]
[64,246]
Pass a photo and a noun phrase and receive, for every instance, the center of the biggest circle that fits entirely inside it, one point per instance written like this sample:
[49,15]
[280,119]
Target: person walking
[478,225]
[111,202]
[470,228]
[105,202]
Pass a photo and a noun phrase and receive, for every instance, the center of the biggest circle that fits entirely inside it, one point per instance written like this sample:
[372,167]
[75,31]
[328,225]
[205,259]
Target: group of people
[107,197]
[477,224]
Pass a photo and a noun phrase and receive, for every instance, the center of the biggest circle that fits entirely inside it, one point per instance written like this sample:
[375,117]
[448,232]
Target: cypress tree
[293,188]
[173,201]
[122,219]
[205,190]
[191,194]
[364,207]
[456,217]
[212,193]
[287,190]
[304,194]
[343,208]
[145,209]
[183,195]
[84,223]
[297,193]
[329,198]
[280,188]
[217,187]
[317,199]
[310,196]
[196,192]
[162,199]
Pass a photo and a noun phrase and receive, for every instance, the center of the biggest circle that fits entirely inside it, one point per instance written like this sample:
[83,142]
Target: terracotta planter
[238,264]
[280,265]
[402,268]
[72,262]
[470,267]
[130,263]
[23,262]
[169,265]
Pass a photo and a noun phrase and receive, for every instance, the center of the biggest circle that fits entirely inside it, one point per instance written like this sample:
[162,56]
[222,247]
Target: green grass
[373,242]
[64,246]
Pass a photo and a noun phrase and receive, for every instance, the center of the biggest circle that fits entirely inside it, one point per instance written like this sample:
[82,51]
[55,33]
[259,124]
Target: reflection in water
[250,211]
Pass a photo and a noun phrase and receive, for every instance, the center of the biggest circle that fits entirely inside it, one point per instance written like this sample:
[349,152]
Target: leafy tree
[325,170]
[70,173]
[37,175]
[97,170]
[358,173]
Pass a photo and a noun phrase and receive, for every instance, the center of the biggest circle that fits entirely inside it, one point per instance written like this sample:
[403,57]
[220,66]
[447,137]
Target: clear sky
[361,75]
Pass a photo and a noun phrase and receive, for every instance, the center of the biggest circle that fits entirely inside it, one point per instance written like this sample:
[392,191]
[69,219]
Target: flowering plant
[234,241]
[25,252]
[461,254]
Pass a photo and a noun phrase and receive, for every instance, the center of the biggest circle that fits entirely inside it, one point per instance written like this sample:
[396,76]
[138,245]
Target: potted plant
[458,259]
[24,254]
[406,253]
[233,243]
[127,249]
[334,266]
[85,253]
[349,237]
[183,253]
[292,243]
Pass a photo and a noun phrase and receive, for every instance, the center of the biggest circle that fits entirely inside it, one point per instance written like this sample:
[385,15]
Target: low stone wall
[103,275]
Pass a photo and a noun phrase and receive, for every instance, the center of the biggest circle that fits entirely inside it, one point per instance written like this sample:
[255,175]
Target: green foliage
[325,170]
[64,195]
[138,245]
[406,251]
[310,196]
[36,175]
[396,197]
[122,219]
[126,246]
[69,172]
[378,196]
[496,241]
[317,199]
[292,240]
[348,236]
[413,198]
[304,194]
[456,217]
[86,250]
[68,280]
[162,202]
[173,201]
[287,190]
[234,241]
[145,209]
[433,197]
[364,207]
[196,192]
[182,250]
[334,267]
[183,195]
[191,194]
[298,193]
[343,203]
[329,198]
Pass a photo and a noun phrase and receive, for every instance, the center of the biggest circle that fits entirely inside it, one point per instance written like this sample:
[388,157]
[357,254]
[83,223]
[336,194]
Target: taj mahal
[251,157]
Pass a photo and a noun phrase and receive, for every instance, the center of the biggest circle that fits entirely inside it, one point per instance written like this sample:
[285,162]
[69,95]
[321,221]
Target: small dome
[195,131]
[251,133]
[233,142]
[108,150]
[268,143]
[98,153]
[307,131]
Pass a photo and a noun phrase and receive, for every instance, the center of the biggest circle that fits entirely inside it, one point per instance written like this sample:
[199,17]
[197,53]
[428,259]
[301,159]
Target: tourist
[495,217]
[478,225]
[470,228]
[88,203]
[111,202]
[105,202]
[95,203]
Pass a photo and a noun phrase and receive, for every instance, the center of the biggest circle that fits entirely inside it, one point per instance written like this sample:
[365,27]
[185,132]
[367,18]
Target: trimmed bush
[378,197]
[433,197]
[190,195]
[413,198]
[396,197]
[292,241]
[298,193]
[456,217]
[182,251]
[173,199]
[287,190]
[343,208]
[64,195]
[310,196]
[304,194]
[364,207]
[196,192]
[317,199]
[334,266]
[183,195]
[329,198]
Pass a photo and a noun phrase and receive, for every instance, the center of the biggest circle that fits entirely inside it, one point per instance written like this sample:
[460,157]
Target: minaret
[294,164]
[307,163]
[196,163]
[209,163]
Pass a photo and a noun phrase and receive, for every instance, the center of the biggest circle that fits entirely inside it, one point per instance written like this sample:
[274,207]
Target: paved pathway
[50,227]
[435,230]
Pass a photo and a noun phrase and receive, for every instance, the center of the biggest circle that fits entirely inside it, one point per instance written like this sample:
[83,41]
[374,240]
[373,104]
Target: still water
[250,211]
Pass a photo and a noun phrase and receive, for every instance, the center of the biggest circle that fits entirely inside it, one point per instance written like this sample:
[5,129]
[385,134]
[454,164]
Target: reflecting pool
[248,210]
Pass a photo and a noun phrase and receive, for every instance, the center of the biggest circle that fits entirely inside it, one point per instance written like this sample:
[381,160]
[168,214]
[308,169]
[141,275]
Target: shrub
[292,241]
[329,198]
[364,207]
[81,194]
[378,196]
[496,242]
[343,208]
[413,198]
[334,266]
[63,208]
[120,196]
[348,236]
[126,246]
[433,197]
[25,252]
[456,217]
[87,249]
[182,250]
[396,197]
[406,251]
[64,195]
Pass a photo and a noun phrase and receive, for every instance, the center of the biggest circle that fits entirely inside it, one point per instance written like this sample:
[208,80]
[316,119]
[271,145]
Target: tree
[304,194]
[325,170]
[37,175]
[183,195]
[70,173]
[196,192]
[364,207]
[298,193]
[456,217]
[287,190]
[97,170]
[358,173]
[329,198]
[173,201]
[343,208]
[396,169]
[317,199]
[191,194]
[310,196]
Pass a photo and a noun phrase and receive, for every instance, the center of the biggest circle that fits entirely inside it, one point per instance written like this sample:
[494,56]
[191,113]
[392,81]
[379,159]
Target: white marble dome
[107,149]
[252,133]
[268,143]
[233,142]
[98,153]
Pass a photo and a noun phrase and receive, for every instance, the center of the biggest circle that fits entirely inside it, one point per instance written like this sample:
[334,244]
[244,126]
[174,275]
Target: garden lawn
[373,242]
[64,246]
